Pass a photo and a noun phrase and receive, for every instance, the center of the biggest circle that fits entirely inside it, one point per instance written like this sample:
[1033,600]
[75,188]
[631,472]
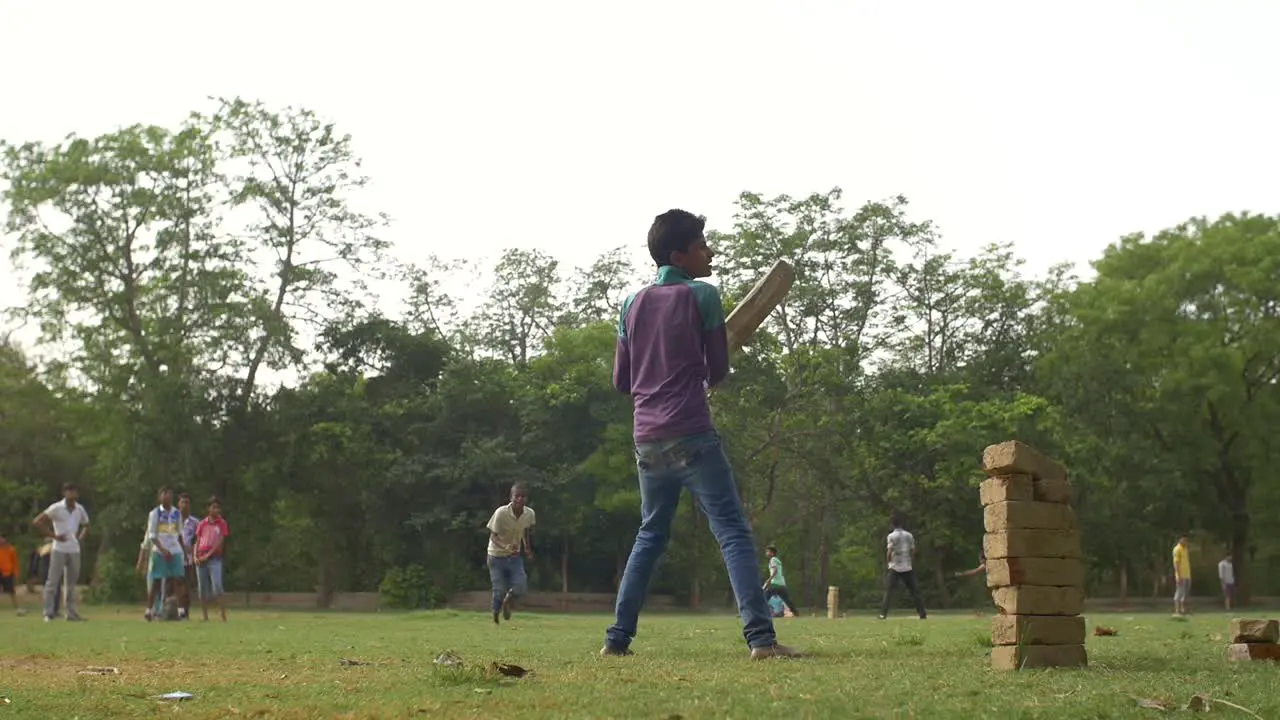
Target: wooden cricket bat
[764,297]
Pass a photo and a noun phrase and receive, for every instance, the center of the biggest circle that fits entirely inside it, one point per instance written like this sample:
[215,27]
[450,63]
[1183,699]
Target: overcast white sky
[568,125]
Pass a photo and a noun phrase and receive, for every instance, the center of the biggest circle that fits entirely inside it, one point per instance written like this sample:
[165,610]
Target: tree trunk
[1239,560]
[325,585]
[564,565]
[824,549]
[1124,584]
[1157,578]
[96,576]
[940,579]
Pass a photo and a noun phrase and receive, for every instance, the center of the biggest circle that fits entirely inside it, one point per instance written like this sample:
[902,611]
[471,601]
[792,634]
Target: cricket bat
[763,298]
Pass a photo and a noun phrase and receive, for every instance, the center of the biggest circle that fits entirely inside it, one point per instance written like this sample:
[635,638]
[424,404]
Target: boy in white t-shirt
[164,530]
[510,530]
[1227,576]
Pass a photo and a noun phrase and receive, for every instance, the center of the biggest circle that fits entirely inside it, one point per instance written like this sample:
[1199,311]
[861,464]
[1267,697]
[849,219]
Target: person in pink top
[211,535]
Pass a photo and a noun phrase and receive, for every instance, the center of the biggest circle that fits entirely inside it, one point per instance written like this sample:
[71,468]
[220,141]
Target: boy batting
[672,346]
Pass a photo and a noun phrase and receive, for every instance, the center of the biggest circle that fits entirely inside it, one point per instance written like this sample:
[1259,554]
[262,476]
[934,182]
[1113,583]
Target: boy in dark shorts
[9,573]
[671,349]
[189,524]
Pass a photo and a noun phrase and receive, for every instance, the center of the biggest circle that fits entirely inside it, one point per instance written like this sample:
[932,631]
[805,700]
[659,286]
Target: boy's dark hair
[896,521]
[213,500]
[771,548]
[184,496]
[674,231]
[67,486]
[519,487]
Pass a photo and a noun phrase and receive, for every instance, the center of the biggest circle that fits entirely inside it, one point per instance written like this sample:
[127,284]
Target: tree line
[170,268]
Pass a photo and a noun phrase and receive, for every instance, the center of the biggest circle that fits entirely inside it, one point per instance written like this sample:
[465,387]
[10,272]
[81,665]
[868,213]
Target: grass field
[289,665]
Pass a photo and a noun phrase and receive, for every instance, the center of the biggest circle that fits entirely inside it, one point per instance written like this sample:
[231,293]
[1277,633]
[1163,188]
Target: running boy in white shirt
[510,530]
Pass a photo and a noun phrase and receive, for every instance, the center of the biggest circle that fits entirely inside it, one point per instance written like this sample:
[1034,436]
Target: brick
[1017,657]
[1053,572]
[1032,544]
[1015,457]
[1039,600]
[1052,491]
[1003,488]
[1028,515]
[1253,651]
[1037,630]
[1255,631]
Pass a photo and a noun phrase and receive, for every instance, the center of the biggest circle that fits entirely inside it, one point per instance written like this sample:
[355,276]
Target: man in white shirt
[510,530]
[66,522]
[900,551]
[1227,576]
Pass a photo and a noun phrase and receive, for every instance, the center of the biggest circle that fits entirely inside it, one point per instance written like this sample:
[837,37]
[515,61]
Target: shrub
[408,588]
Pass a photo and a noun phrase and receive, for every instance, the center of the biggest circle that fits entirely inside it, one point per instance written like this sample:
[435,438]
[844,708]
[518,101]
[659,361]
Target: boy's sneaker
[506,606]
[769,652]
[22,612]
[74,618]
[611,651]
[147,615]
[48,618]
[496,621]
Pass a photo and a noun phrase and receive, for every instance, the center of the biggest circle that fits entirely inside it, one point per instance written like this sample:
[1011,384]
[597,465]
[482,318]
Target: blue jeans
[507,573]
[209,578]
[666,467]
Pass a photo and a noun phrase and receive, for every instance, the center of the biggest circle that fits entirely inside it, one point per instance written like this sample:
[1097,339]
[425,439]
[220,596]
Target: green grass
[281,664]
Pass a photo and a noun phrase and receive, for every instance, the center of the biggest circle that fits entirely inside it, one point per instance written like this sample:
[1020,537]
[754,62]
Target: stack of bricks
[1034,570]
[1254,640]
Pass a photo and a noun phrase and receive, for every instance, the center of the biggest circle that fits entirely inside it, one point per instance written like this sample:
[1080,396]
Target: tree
[1190,322]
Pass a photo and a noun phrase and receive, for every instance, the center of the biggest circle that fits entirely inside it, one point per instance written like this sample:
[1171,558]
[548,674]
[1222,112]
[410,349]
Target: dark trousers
[907,578]
[781,592]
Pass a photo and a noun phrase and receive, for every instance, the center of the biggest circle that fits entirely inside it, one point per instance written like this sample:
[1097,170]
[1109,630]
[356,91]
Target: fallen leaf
[1153,704]
[509,670]
[100,671]
[351,663]
[1105,631]
[1198,703]
[448,658]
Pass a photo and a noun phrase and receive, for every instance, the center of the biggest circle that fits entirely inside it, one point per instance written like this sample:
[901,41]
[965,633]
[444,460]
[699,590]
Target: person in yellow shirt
[1181,576]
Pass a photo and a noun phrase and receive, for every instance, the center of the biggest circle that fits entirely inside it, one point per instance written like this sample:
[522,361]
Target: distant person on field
[210,539]
[143,566]
[672,347]
[900,552]
[982,566]
[776,584]
[9,573]
[38,573]
[1227,576]
[164,531]
[66,522]
[189,524]
[1181,576]
[510,531]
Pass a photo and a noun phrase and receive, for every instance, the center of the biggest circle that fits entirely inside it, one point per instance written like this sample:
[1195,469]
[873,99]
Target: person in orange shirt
[9,573]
